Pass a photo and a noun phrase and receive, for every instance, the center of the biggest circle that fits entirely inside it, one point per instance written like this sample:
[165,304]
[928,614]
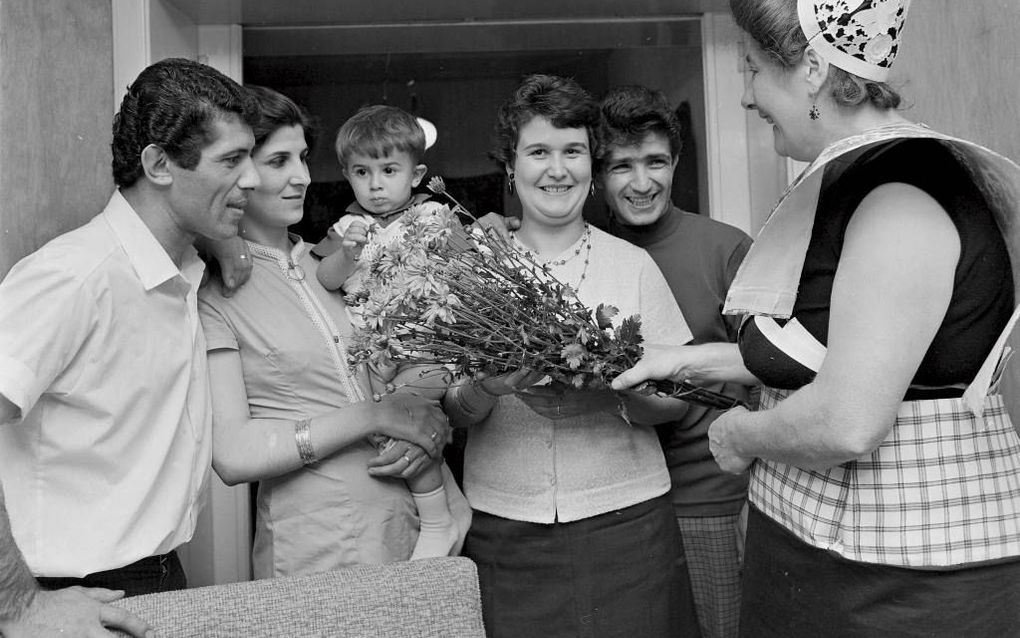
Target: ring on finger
[434,436]
[407,458]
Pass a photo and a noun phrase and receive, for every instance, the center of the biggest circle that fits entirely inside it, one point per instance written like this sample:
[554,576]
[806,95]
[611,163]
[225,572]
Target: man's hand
[235,262]
[72,612]
[498,225]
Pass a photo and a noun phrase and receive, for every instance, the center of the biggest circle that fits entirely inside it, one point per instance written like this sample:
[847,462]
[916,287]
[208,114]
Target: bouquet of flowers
[456,295]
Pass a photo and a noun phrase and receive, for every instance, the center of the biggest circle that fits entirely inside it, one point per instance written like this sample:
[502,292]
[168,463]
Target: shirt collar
[297,249]
[147,256]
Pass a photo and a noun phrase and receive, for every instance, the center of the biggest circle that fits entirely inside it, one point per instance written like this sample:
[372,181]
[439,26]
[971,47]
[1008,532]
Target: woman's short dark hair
[630,113]
[562,101]
[774,25]
[275,111]
[173,104]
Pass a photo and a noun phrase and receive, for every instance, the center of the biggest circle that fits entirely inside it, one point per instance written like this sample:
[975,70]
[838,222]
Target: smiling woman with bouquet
[573,532]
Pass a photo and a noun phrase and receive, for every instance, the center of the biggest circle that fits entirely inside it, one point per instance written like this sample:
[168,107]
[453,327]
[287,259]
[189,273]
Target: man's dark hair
[173,104]
[629,113]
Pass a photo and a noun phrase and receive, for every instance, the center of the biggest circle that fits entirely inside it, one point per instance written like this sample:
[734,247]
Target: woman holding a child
[290,413]
[573,533]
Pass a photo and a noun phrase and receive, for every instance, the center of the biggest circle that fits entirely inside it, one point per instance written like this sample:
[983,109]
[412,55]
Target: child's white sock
[438,532]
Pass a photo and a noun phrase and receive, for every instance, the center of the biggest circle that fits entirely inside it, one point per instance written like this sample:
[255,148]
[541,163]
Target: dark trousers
[148,576]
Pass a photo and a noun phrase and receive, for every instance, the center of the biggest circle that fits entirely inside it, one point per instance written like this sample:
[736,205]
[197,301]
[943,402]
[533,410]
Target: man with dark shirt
[699,258]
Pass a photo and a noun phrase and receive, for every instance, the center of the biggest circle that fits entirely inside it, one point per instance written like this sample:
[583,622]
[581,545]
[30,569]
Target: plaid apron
[943,489]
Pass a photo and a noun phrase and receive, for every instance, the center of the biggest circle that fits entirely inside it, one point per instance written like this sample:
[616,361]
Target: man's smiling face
[638,180]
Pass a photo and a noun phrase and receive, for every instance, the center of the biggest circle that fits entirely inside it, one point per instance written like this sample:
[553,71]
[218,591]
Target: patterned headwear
[859,36]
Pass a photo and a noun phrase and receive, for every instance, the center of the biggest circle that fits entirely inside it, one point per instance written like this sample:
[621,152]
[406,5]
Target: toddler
[380,150]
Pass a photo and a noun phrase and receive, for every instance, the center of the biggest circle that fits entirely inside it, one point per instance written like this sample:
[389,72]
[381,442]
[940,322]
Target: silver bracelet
[303,438]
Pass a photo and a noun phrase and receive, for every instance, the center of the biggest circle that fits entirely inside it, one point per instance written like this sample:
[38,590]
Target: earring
[814,113]
[510,183]
[593,188]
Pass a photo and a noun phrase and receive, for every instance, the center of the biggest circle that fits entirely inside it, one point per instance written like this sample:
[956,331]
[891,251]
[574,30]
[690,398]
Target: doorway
[456,75]
[453,61]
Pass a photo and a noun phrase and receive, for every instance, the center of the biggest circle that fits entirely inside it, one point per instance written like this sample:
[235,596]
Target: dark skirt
[622,573]
[792,589]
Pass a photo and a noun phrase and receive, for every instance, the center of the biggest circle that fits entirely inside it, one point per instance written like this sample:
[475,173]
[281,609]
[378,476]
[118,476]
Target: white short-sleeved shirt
[102,350]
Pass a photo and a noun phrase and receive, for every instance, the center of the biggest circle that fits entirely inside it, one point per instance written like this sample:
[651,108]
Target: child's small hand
[341,262]
[355,238]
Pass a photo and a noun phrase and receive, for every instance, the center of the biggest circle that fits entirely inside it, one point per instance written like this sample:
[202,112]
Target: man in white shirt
[104,407]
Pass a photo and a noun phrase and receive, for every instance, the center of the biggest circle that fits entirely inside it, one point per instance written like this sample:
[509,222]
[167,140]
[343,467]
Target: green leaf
[573,354]
[604,315]
[629,332]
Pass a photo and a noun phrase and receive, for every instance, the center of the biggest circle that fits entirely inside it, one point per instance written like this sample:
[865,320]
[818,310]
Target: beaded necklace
[583,244]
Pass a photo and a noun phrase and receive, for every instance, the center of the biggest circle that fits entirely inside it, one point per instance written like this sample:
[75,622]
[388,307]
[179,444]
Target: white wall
[957,69]
[55,74]
[173,34]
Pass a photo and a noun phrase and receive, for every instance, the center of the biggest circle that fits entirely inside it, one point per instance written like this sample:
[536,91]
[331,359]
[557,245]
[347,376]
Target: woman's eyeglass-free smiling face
[780,99]
[281,162]
[552,172]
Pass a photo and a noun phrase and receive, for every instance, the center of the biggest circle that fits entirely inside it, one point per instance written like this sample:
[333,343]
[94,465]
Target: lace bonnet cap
[859,36]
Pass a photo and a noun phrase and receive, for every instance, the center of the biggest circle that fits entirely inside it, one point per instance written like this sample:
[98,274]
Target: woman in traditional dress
[885,472]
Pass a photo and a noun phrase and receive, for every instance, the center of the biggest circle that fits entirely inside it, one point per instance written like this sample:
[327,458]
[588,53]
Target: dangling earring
[510,183]
[593,188]
[814,113]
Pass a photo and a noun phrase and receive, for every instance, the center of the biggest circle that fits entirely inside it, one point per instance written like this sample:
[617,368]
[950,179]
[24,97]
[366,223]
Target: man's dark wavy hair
[630,113]
[173,104]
